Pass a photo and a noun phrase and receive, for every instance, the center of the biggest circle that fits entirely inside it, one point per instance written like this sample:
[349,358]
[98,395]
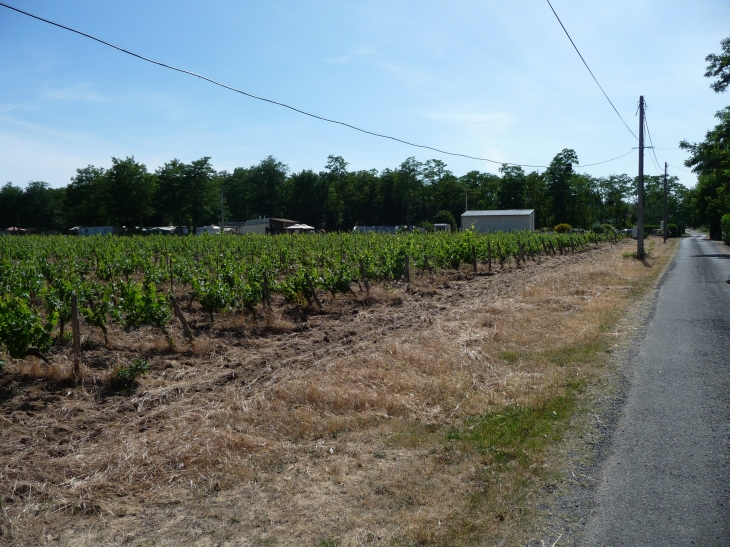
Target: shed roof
[499,213]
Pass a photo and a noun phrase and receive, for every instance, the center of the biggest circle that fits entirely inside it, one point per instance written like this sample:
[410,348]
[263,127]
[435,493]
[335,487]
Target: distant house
[442,227]
[98,230]
[504,220]
[264,225]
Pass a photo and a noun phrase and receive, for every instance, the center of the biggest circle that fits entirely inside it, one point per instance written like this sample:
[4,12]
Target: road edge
[566,504]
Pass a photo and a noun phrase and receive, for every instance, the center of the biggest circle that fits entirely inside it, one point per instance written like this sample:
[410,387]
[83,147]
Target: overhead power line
[654,159]
[277,103]
[612,159]
[589,70]
[257,97]
[675,167]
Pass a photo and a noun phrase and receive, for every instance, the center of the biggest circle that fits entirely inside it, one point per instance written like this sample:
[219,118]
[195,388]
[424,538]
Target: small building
[207,230]
[300,229]
[442,227]
[165,230]
[264,225]
[98,230]
[502,220]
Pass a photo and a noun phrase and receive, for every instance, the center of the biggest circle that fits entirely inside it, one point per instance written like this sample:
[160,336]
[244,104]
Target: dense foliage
[710,159]
[335,198]
[127,280]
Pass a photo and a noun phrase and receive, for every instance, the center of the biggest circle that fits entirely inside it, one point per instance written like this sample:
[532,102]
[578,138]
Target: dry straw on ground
[312,429]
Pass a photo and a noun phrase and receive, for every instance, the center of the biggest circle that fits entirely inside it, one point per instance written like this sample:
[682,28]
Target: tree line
[334,198]
[709,200]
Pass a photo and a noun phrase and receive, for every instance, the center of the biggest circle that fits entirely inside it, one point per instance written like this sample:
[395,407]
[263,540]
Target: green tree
[11,202]
[42,206]
[130,193]
[536,195]
[719,67]
[512,190]
[409,185]
[85,200]
[306,194]
[710,159]
[170,195]
[201,193]
[616,193]
[558,177]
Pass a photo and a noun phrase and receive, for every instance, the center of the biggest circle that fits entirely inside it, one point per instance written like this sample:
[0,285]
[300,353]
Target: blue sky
[492,79]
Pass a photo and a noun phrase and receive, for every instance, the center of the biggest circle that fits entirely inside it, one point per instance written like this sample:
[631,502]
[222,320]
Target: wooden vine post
[313,292]
[267,294]
[76,334]
[364,276]
[183,322]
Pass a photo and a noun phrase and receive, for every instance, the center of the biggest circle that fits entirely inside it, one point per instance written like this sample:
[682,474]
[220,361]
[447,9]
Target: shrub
[446,217]
[673,230]
[124,378]
[597,229]
[725,225]
[563,228]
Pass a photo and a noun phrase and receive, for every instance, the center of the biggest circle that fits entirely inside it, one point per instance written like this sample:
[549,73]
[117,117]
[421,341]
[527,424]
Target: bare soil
[300,427]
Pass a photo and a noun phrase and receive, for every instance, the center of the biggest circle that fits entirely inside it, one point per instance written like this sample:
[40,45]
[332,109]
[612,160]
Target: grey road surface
[666,480]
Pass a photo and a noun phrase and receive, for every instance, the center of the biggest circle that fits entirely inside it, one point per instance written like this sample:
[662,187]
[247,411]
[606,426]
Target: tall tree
[267,187]
[558,177]
[536,195]
[306,194]
[130,193]
[409,185]
[512,189]
[170,194]
[43,206]
[719,67]
[201,193]
[86,198]
[710,159]
[11,203]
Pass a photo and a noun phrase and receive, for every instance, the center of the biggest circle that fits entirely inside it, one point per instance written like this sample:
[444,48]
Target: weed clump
[124,378]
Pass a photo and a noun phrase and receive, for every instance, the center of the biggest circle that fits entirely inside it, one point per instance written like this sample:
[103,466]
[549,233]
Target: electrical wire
[600,162]
[654,159]
[675,167]
[257,97]
[322,118]
[589,70]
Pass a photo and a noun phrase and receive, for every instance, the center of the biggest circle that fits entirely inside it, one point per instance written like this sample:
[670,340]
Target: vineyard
[315,373]
[132,280]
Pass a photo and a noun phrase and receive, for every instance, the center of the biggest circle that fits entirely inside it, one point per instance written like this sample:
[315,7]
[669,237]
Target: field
[308,409]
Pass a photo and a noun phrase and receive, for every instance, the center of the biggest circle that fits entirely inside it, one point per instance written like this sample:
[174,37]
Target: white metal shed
[504,220]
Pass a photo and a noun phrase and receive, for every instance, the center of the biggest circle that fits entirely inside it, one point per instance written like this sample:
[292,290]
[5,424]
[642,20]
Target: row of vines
[129,280]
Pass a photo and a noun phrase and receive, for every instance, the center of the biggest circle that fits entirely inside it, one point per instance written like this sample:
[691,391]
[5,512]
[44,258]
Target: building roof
[499,213]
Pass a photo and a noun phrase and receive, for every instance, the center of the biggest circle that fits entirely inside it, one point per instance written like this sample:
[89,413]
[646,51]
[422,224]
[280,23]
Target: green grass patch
[573,355]
[515,432]
[513,357]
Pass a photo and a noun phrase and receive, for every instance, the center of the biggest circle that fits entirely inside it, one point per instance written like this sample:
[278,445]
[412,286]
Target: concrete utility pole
[666,226]
[223,222]
[640,223]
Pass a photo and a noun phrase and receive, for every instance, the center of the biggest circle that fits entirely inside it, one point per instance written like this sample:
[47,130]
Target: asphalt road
[666,480]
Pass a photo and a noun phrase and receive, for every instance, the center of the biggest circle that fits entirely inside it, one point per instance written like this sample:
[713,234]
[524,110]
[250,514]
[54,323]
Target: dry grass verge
[420,415]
